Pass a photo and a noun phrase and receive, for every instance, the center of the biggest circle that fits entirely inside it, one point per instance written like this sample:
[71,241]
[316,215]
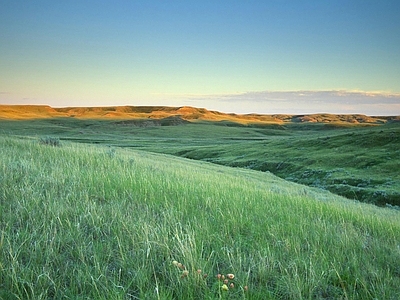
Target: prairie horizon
[189,113]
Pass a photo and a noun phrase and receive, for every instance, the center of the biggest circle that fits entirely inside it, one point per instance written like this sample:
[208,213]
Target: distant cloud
[262,102]
[303,102]
[315,96]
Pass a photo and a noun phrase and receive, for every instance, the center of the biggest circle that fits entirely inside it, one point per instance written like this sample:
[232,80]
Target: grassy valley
[358,161]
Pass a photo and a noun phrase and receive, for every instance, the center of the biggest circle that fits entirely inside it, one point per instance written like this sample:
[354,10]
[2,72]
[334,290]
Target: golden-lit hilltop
[192,114]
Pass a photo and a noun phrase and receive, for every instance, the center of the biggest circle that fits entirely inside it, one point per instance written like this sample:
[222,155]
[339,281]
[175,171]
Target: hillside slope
[81,221]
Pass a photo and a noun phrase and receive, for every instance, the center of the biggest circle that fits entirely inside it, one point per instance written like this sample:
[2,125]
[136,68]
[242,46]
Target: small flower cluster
[227,281]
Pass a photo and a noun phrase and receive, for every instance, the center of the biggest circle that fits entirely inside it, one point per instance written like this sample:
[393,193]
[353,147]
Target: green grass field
[83,221]
[356,161]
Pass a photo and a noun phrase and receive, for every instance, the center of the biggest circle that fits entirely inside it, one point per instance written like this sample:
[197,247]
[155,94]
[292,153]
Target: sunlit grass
[87,222]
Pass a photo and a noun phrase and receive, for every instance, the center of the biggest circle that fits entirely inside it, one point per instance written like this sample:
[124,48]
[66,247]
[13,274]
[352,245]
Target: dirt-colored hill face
[23,112]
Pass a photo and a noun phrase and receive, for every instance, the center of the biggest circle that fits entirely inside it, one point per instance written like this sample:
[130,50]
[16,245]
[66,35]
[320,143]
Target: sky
[249,56]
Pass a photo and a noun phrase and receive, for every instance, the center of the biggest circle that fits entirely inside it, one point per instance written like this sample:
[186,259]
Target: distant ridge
[188,113]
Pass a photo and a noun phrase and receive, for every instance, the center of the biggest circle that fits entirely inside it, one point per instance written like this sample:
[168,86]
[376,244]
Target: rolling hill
[23,112]
[92,222]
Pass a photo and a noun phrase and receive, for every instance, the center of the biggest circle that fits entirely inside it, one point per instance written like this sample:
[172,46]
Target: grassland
[358,161]
[97,222]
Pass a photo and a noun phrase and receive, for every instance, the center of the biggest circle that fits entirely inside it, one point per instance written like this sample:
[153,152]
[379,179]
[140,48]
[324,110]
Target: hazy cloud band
[335,101]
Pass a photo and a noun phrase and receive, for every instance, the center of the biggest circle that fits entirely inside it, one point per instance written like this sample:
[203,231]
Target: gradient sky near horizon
[262,56]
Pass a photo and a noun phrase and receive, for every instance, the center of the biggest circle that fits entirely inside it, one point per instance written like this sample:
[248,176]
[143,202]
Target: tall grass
[85,222]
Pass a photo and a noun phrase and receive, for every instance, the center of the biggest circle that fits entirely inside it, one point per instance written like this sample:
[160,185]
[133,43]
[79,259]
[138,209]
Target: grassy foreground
[92,222]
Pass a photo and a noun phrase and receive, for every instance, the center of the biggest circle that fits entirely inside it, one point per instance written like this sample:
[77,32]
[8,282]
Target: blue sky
[232,56]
